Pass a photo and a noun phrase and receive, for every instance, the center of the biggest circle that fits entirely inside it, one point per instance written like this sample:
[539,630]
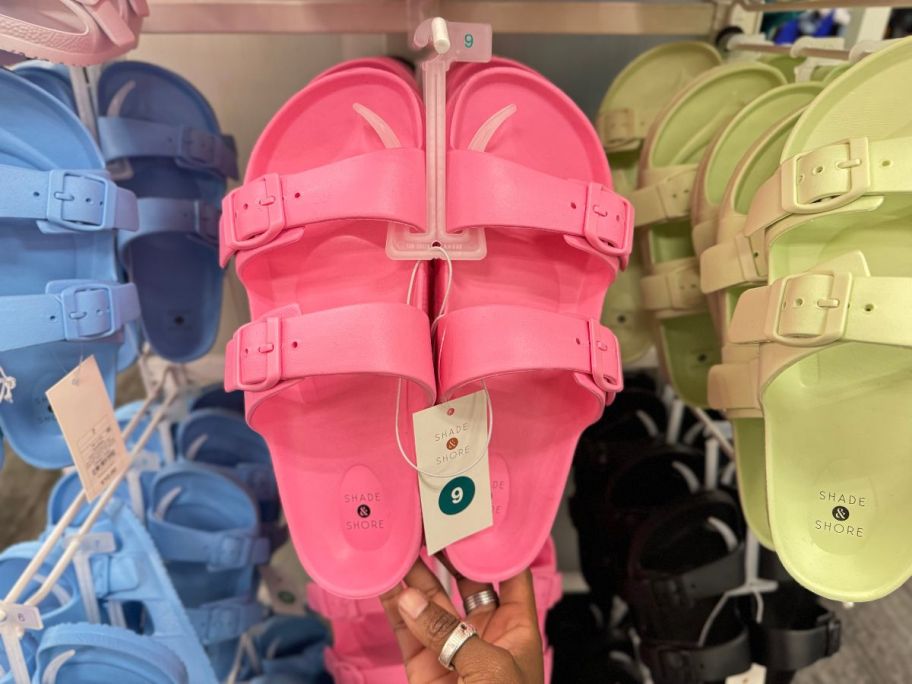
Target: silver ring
[485,597]
[460,634]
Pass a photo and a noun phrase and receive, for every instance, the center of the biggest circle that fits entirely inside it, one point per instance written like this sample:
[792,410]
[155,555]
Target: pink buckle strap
[487,191]
[106,14]
[387,185]
[478,342]
[286,345]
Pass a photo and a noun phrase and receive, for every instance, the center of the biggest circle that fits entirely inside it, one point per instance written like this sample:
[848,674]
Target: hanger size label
[454,479]
[86,417]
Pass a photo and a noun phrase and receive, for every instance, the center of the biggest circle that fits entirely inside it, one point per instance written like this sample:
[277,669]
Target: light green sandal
[721,278]
[786,64]
[627,111]
[830,230]
[676,143]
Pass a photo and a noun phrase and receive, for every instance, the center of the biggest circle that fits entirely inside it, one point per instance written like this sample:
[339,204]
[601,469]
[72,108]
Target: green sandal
[830,231]
[772,116]
[675,145]
[627,111]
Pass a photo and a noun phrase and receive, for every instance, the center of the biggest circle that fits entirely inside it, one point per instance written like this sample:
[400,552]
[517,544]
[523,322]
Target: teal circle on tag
[456,495]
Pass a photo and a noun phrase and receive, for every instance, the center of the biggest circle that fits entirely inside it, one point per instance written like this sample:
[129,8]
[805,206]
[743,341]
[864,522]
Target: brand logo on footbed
[363,509]
[842,509]
[500,487]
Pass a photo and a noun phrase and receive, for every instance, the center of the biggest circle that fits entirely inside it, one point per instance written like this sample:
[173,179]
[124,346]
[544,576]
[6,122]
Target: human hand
[508,647]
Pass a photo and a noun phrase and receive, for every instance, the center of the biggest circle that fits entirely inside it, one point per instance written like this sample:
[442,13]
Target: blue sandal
[222,439]
[286,648]
[207,530]
[165,137]
[60,300]
[132,582]
[54,79]
[86,654]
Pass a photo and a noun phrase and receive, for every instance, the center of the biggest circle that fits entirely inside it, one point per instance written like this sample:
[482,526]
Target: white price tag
[755,675]
[287,595]
[83,410]
[448,438]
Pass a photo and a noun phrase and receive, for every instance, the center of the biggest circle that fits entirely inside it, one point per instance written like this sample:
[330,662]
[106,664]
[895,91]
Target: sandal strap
[517,339]
[225,619]
[674,288]
[70,310]
[194,218]
[665,198]
[831,177]
[66,200]
[106,14]
[286,345]
[191,148]
[221,550]
[624,125]
[825,305]
[679,663]
[786,649]
[491,192]
[385,186]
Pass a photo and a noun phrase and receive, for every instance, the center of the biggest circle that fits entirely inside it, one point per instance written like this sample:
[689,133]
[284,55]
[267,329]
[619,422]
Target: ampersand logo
[452,443]
[841,513]
[364,511]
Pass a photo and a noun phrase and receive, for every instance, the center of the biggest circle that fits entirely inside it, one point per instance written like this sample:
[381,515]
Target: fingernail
[412,603]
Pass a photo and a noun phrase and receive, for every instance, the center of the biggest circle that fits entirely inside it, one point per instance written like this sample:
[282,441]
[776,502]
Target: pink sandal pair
[340,331]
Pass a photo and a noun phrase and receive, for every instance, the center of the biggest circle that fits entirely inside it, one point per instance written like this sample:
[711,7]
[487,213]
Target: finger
[432,626]
[409,646]
[518,591]
[468,587]
[422,578]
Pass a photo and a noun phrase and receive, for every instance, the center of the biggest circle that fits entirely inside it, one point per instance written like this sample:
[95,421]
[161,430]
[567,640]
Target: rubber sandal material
[680,565]
[542,341]
[287,648]
[76,33]
[732,384]
[364,649]
[61,300]
[333,337]
[178,162]
[54,79]
[84,653]
[834,383]
[206,528]
[629,107]
[222,440]
[676,143]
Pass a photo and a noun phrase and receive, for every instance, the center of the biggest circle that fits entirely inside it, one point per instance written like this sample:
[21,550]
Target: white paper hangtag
[755,675]
[450,437]
[287,595]
[83,410]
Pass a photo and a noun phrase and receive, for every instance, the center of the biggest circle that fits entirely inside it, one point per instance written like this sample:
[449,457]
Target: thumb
[432,626]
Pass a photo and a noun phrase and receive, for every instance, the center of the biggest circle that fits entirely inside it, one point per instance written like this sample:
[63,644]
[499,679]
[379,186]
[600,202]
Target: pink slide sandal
[333,338]
[75,32]
[525,164]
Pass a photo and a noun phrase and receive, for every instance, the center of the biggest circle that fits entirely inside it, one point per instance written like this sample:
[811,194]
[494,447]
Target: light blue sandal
[54,79]
[88,654]
[286,648]
[167,142]
[60,299]
[221,438]
[207,530]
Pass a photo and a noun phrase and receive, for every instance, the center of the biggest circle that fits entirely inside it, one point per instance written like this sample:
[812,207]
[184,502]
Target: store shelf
[394,16]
